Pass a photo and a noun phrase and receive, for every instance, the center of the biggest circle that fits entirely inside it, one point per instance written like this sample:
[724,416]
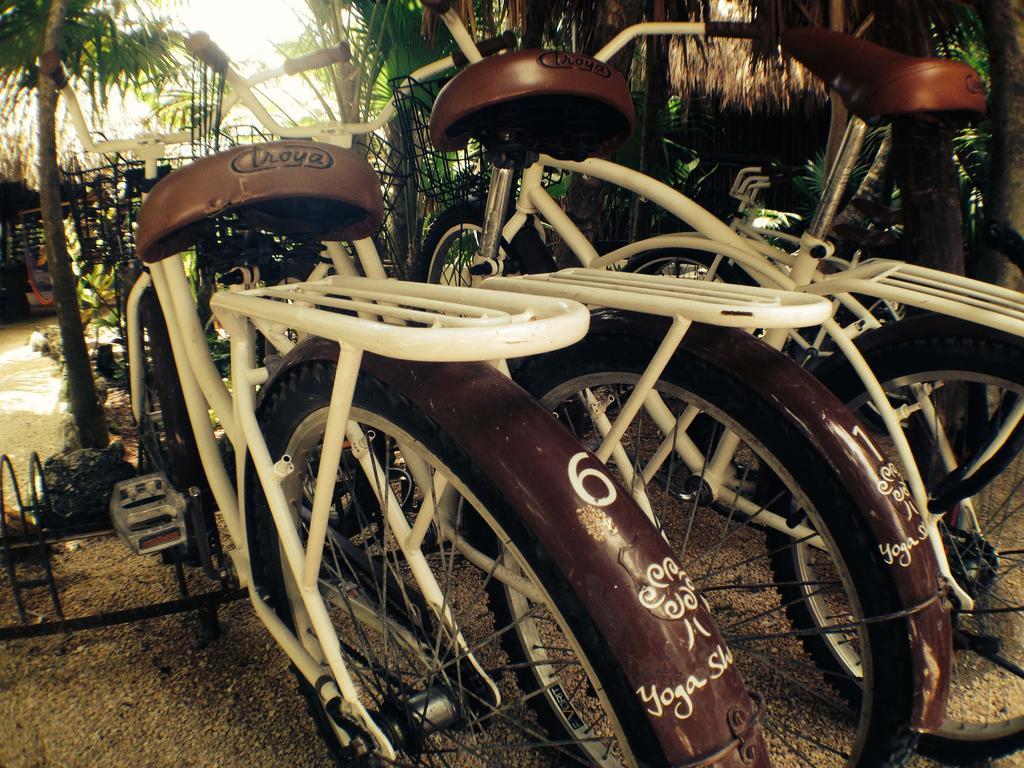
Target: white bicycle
[942,391]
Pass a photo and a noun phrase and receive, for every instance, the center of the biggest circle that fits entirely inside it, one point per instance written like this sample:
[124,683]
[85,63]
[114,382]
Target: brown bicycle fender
[845,446]
[670,651]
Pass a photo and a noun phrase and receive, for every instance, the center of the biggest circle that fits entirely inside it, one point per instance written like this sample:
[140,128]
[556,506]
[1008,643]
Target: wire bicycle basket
[444,178]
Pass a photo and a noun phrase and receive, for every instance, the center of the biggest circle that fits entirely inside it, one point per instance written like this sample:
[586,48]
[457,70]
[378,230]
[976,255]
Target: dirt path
[30,415]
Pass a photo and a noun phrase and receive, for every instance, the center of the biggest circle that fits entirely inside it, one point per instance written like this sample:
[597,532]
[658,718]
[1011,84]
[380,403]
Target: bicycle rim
[812,717]
[984,538]
[398,650]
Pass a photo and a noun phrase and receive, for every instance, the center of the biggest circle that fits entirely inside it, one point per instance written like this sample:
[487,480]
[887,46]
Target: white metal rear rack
[686,302]
[930,289]
[410,321]
[699,301]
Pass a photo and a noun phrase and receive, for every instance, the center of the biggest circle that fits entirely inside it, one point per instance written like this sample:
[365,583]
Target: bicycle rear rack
[404,320]
[735,306]
[930,289]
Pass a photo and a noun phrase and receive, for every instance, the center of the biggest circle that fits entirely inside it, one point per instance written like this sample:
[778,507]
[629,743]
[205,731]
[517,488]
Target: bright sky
[245,29]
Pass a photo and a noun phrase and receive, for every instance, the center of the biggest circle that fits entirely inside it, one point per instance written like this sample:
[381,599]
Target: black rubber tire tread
[525,249]
[183,457]
[923,355]
[306,388]
[889,741]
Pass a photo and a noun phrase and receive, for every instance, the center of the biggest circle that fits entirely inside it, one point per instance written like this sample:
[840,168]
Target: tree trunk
[1004,201]
[83,404]
[839,116]
[870,186]
[535,22]
[932,227]
[655,97]
[923,160]
[585,195]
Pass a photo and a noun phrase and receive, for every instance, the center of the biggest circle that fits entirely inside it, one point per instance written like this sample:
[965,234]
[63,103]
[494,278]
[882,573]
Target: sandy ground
[150,693]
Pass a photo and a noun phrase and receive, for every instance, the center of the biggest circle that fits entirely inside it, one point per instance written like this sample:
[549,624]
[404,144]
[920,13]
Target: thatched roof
[18,144]
[730,72]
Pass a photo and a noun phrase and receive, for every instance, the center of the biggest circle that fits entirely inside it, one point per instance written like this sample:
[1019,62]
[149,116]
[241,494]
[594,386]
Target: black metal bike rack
[32,510]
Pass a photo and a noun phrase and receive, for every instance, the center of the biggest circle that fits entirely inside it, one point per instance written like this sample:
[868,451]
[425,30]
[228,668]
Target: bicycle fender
[658,627]
[871,480]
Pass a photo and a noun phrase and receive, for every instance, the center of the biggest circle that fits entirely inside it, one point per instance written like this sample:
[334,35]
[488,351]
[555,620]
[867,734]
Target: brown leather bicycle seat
[874,81]
[567,105]
[288,187]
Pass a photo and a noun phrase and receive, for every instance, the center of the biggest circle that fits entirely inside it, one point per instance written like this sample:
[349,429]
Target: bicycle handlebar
[203,48]
[488,47]
[338,54]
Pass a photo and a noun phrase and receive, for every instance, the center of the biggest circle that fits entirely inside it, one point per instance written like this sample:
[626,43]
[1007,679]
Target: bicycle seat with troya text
[292,188]
[566,105]
[878,82]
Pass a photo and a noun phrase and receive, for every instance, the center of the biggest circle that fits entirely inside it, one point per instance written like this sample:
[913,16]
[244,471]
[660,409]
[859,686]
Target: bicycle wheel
[974,383]
[564,698]
[453,241]
[811,717]
[166,441]
[693,265]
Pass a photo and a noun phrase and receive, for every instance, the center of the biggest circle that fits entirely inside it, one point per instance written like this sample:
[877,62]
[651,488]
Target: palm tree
[102,48]
[387,42]
[1004,201]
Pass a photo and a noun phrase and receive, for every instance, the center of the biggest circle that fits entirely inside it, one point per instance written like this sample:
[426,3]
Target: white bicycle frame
[451,324]
[884,280]
[462,325]
[888,281]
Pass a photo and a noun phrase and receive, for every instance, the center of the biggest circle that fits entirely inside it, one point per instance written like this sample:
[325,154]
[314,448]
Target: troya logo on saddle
[563,60]
[281,156]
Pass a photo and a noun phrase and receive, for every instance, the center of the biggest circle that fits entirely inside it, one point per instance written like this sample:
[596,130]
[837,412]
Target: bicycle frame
[886,281]
[482,329]
[471,327]
[773,267]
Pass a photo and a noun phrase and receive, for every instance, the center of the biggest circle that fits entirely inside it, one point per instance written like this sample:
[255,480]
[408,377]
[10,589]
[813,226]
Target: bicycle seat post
[838,177]
[494,215]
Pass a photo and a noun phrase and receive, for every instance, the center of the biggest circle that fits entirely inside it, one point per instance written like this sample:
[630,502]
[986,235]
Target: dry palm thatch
[739,76]
[731,73]
[18,144]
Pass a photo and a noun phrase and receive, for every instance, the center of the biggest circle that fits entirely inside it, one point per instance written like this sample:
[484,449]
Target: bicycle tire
[992,361]
[453,239]
[295,403]
[165,432]
[883,735]
[688,264]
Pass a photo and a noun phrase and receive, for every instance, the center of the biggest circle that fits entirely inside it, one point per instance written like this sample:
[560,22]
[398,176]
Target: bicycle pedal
[148,514]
